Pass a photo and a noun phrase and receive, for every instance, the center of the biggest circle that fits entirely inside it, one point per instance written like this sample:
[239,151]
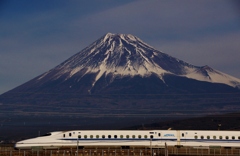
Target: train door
[183,137]
[155,138]
[178,138]
[159,138]
[159,135]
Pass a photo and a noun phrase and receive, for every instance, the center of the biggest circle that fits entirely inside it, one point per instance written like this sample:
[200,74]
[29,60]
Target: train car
[132,138]
[209,138]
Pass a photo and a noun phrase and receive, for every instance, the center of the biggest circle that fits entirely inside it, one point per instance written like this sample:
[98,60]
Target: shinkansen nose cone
[25,144]
[46,141]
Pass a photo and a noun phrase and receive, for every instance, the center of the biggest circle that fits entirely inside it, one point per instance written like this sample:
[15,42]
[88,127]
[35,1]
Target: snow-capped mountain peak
[121,55]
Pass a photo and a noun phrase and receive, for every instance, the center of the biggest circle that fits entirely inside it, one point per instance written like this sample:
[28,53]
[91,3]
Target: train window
[159,134]
[109,136]
[139,136]
[233,137]
[97,136]
[145,136]
[103,136]
[151,136]
[195,136]
[227,137]
[115,136]
[127,136]
[85,136]
[208,137]
[133,136]
[202,137]
[70,134]
[220,137]
[121,136]
[182,134]
[239,138]
[91,136]
[214,137]
[151,132]
[64,135]
[79,136]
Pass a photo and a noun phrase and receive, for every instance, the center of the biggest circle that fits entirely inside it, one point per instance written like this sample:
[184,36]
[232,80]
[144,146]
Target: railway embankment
[8,150]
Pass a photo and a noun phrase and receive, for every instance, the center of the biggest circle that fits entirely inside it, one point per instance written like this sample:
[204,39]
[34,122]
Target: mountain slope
[120,55]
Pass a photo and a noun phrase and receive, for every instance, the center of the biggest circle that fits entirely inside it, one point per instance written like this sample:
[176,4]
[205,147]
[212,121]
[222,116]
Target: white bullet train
[132,138]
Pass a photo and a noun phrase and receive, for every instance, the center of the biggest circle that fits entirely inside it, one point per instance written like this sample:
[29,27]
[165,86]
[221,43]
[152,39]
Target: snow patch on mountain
[208,74]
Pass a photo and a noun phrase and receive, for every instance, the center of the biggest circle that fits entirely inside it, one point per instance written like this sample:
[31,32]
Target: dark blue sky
[35,36]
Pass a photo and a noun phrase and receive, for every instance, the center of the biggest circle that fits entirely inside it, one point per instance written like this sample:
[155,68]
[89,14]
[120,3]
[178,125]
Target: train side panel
[210,138]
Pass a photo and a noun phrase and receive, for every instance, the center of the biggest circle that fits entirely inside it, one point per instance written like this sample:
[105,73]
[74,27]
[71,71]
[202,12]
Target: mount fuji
[120,64]
[121,56]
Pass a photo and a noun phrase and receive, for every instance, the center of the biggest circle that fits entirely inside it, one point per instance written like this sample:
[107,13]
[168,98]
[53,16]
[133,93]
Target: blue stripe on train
[162,139]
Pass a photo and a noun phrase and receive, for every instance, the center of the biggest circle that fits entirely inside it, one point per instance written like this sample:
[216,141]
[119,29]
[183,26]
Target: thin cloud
[219,52]
[164,18]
